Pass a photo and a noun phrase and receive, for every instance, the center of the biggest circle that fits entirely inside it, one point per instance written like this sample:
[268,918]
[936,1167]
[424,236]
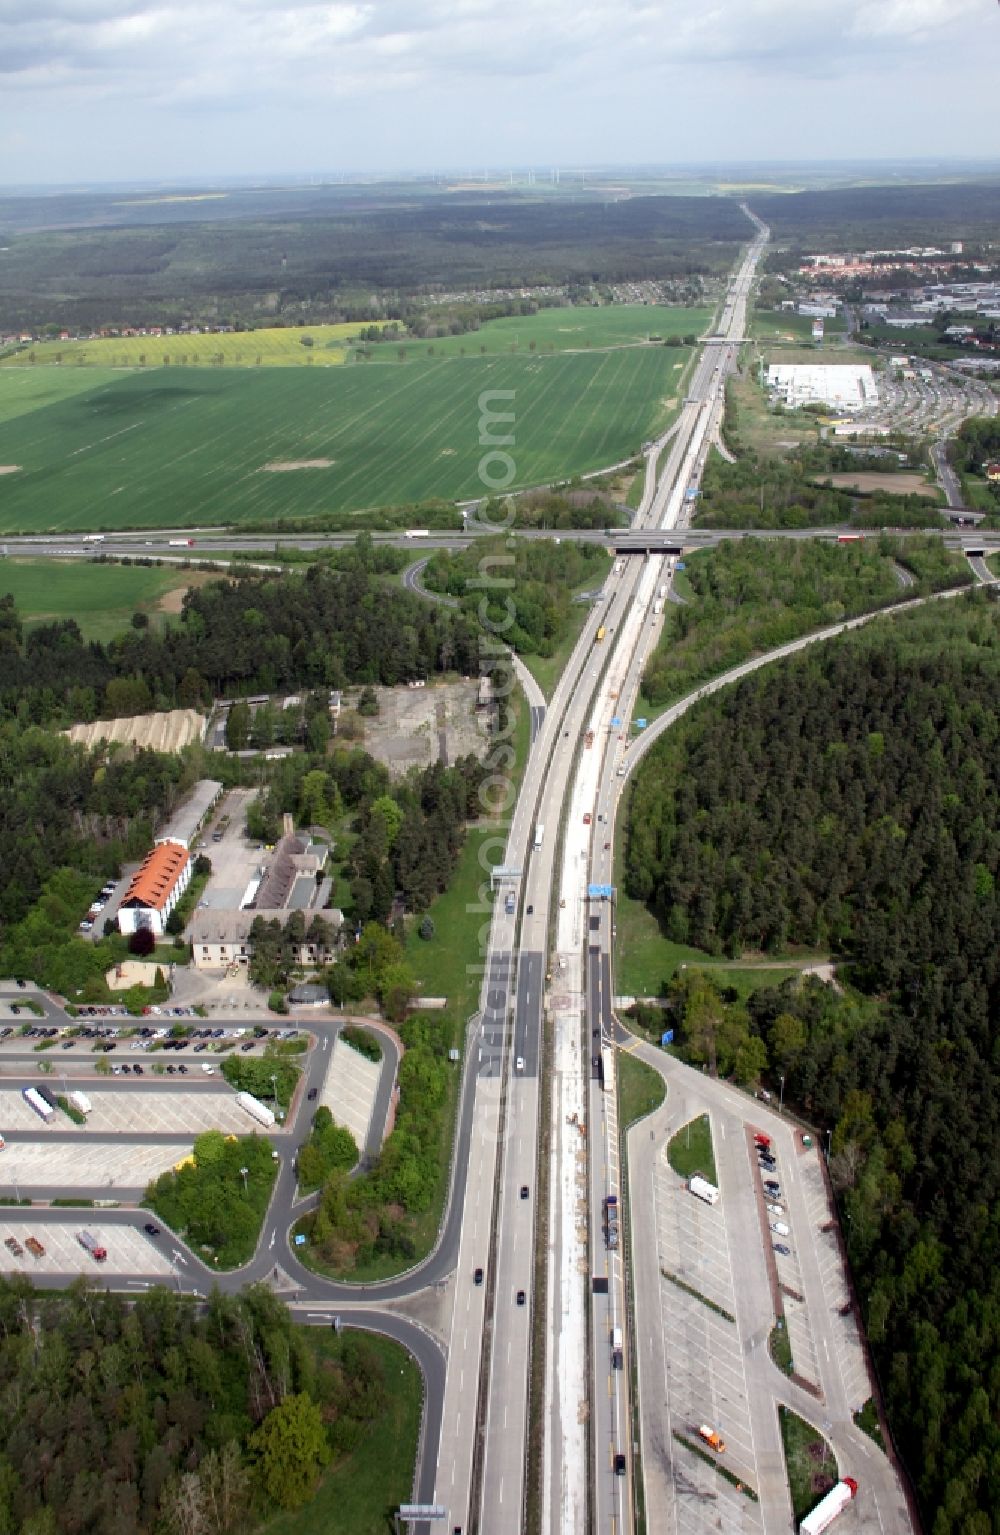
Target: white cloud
[468,73]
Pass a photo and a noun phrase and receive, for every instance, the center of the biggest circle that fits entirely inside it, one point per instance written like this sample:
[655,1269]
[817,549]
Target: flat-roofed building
[155,889]
[841,386]
[189,817]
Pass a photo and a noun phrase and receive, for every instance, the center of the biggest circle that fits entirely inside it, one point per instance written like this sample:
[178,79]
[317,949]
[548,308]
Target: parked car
[312,1093]
[151,1230]
[780,1247]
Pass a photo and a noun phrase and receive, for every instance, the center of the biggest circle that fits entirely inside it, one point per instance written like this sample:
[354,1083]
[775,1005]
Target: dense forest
[850,800]
[977,444]
[122,1417]
[879,217]
[251,634]
[750,595]
[521,592]
[356,261]
[792,491]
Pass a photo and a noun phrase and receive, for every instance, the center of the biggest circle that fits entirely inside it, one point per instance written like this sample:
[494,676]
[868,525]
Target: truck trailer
[35,1101]
[92,1245]
[702,1189]
[829,1507]
[257,1110]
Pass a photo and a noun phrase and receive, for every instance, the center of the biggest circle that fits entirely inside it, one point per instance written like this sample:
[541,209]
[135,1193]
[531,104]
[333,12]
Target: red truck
[92,1245]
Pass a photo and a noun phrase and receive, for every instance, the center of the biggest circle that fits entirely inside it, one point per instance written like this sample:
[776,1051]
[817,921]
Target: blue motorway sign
[641,724]
[600,892]
[616,722]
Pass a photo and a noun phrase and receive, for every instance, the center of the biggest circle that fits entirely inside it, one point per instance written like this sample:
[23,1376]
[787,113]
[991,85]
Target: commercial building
[848,387]
[155,889]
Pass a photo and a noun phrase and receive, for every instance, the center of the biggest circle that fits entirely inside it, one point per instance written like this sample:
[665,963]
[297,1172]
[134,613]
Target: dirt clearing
[418,726]
[893,484]
[281,466]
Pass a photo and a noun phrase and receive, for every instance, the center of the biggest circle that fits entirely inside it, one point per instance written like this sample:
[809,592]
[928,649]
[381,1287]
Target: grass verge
[809,1462]
[688,1289]
[780,1347]
[450,964]
[867,1420]
[690,1150]
[547,670]
[360,1493]
[640,1089]
[724,1471]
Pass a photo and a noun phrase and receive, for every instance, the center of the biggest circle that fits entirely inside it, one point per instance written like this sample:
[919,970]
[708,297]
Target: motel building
[156,887]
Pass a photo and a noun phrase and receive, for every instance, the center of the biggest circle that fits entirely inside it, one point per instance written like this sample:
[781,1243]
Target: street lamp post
[243,1174]
[781,1096]
[829,1138]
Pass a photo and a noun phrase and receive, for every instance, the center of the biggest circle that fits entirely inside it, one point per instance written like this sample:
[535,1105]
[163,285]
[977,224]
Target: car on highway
[151,1230]
[521,1297]
[586,818]
[524,1191]
[531,911]
[519,1063]
[617,1359]
[619,1464]
[477,1277]
[780,1247]
[311,1094]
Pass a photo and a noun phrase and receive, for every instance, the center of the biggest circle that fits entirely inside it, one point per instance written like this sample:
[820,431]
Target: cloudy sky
[97,90]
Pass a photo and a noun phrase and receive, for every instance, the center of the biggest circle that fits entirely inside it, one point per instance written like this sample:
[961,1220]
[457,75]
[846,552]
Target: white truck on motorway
[829,1507]
[539,834]
[702,1189]
[257,1110]
[80,1101]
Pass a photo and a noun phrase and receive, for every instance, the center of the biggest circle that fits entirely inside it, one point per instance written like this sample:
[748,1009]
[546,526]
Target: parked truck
[80,1101]
[92,1245]
[712,1438]
[829,1507]
[35,1101]
[702,1189]
[257,1110]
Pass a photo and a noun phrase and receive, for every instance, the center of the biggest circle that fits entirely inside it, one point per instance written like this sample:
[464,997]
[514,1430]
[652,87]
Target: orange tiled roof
[152,883]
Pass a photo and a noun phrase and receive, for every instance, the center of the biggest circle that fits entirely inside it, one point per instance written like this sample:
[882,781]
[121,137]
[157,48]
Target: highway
[469,1312]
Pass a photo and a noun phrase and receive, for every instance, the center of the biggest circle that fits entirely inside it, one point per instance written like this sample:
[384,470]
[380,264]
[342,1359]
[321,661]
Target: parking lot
[235,860]
[145,1110]
[129,1251]
[120,1165]
[703,1355]
[349,1089]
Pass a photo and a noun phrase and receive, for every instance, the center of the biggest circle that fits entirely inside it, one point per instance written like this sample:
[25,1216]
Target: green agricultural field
[26,392]
[275,346]
[561,330]
[183,447]
[102,598]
